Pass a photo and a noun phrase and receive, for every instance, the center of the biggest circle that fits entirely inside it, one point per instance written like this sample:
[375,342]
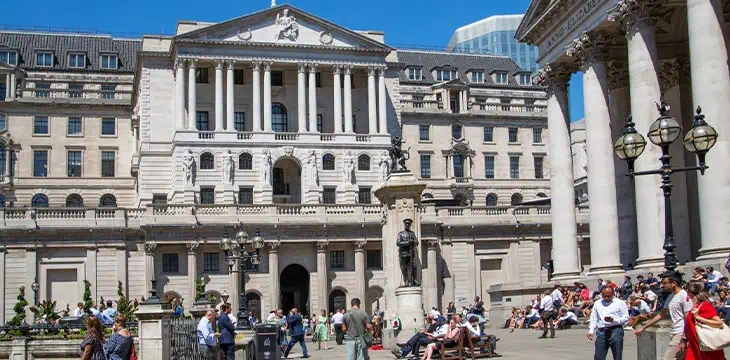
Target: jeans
[547,321]
[566,324]
[228,351]
[355,349]
[296,339]
[413,344]
[612,338]
[339,335]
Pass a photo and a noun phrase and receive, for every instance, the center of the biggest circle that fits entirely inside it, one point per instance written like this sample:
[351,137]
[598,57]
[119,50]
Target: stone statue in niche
[407,242]
[266,178]
[313,180]
[348,168]
[384,166]
[228,167]
[398,157]
[188,165]
[286,26]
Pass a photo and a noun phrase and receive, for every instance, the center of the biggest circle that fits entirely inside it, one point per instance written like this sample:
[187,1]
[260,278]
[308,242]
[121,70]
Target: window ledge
[75,136]
[489,143]
[538,144]
[41,135]
[425,141]
[108,136]
[514,143]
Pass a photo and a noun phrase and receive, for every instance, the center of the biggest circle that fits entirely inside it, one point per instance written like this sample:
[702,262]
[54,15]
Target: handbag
[712,338]
[133,354]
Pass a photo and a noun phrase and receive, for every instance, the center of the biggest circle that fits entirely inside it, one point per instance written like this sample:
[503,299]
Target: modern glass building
[495,35]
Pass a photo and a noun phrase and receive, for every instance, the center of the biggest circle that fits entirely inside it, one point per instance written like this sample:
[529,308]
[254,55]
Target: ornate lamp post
[35,287]
[663,132]
[238,250]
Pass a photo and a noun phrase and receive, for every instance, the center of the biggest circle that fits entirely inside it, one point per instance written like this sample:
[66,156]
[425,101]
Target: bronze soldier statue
[398,157]
[407,243]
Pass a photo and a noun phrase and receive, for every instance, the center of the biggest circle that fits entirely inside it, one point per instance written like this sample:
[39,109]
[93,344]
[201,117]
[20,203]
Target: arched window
[492,199]
[363,163]
[245,162]
[456,132]
[458,161]
[328,162]
[516,199]
[426,196]
[108,200]
[74,200]
[207,161]
[279,118]
[2,201]
[39,200]
[541,195]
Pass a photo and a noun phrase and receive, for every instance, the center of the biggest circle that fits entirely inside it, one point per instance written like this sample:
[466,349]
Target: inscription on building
[565,28]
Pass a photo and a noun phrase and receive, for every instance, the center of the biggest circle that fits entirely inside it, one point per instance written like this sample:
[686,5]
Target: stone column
[256,103]
[7,86]
[322,282]
[564,229]
[638,20]
[349,126]
[149,265]
[302,97]
[274,273]
[219,95]
[91,271]
[192,249]
[382,102]
[433,277]
[360,280]
[230,96]
[313,98]
[122,274]
[191,96]
[13,85]
[179,94]
[31,275]
[234,282]
[3,253]
[711,90]
[372,106]
[591,51]
[267,96]
[338,98]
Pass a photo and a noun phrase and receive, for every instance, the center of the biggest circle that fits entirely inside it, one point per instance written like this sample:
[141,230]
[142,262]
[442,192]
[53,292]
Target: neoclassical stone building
[278,121]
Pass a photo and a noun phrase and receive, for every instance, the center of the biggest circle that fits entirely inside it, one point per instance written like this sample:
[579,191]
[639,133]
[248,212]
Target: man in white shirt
[79,311]
[548,315]
[608,317]
[337,320]
[532,316]
[566,319]
[557,296]
[713,278]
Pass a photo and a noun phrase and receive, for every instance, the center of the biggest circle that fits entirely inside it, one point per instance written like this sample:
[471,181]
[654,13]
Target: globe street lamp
[35,287]
[663,132]
[238,250]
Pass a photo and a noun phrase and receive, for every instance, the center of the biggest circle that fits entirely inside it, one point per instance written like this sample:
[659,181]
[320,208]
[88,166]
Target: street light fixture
[35,287]
[663,132]
[239,251]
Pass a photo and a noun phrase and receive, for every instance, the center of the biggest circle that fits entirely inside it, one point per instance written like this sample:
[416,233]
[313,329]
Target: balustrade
[363,138]
[327,138]
[286,136]
[206,135]
[79,95]
[244,135]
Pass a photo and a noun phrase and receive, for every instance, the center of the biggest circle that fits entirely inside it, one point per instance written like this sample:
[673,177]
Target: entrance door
[294,283]
[338,300]
[254,304]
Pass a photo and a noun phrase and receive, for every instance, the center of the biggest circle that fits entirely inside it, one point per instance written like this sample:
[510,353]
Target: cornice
[276,59]
[318,48]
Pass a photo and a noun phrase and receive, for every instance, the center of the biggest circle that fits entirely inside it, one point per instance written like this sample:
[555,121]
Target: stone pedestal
[189,195]
[410,312]
[154,337]
[229,194]
[653,342]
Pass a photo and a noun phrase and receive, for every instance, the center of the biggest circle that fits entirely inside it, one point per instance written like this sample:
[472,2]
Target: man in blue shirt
[228,333]
[107,316]
[296,333]
[206,336]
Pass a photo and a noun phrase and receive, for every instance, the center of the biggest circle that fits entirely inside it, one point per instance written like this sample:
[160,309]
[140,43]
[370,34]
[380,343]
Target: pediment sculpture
[286,26]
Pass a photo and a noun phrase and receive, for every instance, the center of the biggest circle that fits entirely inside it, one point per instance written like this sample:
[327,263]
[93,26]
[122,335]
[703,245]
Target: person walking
[322,331]
[121,344]
[227,340]
[678,304]
[548,315]
[206,336]
[355,325]
[608,317]
[92,347]
[337,319]
[296,333]
[704,313]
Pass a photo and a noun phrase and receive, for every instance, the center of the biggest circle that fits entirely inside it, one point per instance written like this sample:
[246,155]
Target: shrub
[46,308]
[19,309]
[88,302]
[125,306]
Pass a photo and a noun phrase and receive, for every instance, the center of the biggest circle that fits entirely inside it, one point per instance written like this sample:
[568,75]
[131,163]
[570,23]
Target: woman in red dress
[702,312]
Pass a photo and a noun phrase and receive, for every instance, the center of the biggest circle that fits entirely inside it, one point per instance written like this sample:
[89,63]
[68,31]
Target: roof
[485,26]
[27,43]
[463,63]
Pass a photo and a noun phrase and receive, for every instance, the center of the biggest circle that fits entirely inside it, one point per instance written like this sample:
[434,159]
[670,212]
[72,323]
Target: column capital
[322,245]
[347,69]
[336,69]
[231,64]
[192,63]
[685,71]
[618,75]
[192,247]
[301,67]
[669,77]
[360,244]
[149,248]
[312,67]
[267,65]
[372,70]
[381,70]
[256,65]
[180,63]
[554,77]
[219,64]
[634,15]
[588,48]
[273,246]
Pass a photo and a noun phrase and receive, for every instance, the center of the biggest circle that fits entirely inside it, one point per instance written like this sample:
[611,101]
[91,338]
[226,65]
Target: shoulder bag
[711,338]
[367,338]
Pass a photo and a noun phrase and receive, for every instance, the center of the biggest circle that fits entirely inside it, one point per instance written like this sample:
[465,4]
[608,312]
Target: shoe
[552,336]
[542,337]
[305,356]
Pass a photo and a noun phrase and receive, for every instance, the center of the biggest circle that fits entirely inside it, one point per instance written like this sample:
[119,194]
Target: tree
[88,302]
[126,307]
[19,309]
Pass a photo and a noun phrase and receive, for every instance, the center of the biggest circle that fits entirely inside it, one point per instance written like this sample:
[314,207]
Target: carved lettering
[572,21]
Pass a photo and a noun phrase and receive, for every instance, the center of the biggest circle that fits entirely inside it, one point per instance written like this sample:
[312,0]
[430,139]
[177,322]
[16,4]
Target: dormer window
[525,79]
[414,74]
[445,75]
[44,59]
[9,57]
[109,62]
[501,78]
[477,76]
[77,61]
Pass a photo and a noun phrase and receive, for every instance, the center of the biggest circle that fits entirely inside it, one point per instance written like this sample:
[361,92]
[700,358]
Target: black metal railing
[66,328]
[184,343]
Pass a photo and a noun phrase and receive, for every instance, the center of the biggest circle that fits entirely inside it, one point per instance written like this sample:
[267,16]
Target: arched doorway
[254,304]
[374,300]
[294,283]
[287,182]
[338,300]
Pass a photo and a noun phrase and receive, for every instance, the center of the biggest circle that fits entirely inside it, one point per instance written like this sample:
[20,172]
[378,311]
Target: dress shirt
[616,309]
[435,314]
[533,313]
[206,336]
[107,316]
[568,315]
[78,312]
[546,304]
[557,295]
[474,331]
[714,277]
[338,318]
[441,331]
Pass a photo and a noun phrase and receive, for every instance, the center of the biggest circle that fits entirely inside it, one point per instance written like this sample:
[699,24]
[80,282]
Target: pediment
[536,8]
[284,25]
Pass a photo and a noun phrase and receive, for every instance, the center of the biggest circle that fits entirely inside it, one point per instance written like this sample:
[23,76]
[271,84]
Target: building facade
[277,121]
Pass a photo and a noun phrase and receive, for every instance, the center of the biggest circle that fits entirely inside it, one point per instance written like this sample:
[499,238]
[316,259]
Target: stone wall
[42,349]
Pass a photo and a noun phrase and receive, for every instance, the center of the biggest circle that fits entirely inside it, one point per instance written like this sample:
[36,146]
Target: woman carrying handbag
[703,319]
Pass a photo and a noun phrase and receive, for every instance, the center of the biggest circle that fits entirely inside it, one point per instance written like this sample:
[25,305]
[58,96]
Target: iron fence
[66,328]
[184,339]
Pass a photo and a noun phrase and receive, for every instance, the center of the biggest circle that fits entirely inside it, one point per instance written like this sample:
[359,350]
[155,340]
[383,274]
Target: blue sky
[426,23]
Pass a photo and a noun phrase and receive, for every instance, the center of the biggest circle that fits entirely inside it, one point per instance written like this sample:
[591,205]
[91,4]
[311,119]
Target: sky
[406,23]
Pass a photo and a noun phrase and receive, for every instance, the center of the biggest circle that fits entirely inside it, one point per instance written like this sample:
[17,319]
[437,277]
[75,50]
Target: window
[245,161]
[525,80]
[3,160]
[446,75]
[238,76]
[424,132]
[108,126]
[108,163]
[201,75]
[73,166]
[514,167]
[489,167]
[239,121]
[170,263]
[374,259]
[488,134]
[3,122]
[329,195]
[109,62]
[211,262]
[320,122]
[425,166]
[417,101]
[492,199]
[245,195]
[108,91]
[541,195]
[207,195]
[414,74]
[9,57]
[477,76]
[39,201]
[363,195]
[201,120]
[456,131]
[207,161]
[337,259]
[501,78]
[363,163]
[40,163]
[75,91]
[279,118]
[77,60]
[328,162]
[513,135]
[74,200]
[538,167]
[537,135]
[3,89]
[108,200]
[516,199]
[74,126]
[277,78]
[159,199]
[458,162]
[44,59]
[2,201]
[42,90]
[318,79]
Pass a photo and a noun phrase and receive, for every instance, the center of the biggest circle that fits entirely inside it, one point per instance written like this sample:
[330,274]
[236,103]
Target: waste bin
[266,342]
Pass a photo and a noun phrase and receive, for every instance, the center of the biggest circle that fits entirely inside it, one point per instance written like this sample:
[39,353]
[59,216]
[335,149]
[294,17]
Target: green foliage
[19,309]
[199,289]
[126,307]
[102,304]
[46,308]
[88,302]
